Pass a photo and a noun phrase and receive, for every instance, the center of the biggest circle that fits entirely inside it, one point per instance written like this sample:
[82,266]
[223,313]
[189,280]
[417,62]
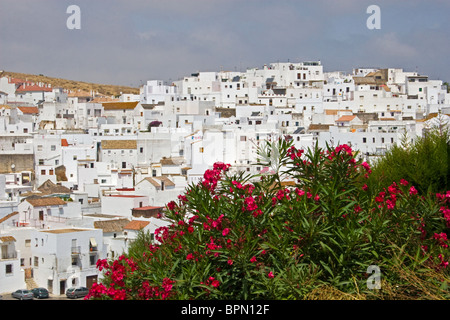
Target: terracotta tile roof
[115,225]
[120,105]
[156,181]
[119,144]
[136,225]
[64,143]
[43,202]
[12,214]
[48,187]
[346,118]
[7,239]
[147,208]
[319,127]
[29,110]
[33,88]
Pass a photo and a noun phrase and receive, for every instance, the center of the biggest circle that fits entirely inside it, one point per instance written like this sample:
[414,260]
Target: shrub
[314,223]
[425,163]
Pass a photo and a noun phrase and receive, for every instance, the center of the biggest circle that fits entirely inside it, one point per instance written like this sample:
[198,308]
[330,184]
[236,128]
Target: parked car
[77,292]
[40,293]
[22,294]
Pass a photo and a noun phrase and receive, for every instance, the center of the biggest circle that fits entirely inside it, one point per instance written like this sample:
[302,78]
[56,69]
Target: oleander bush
[309,228]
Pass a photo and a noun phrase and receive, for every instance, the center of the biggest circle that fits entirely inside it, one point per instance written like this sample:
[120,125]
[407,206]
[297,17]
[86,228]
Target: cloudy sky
[129,42]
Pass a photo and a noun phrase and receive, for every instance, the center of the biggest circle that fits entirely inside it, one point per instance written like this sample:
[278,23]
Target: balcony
[76,250]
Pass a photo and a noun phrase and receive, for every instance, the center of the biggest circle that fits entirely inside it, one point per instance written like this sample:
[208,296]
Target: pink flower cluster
[211,177]
[442,239]
[162,292]
[294,153]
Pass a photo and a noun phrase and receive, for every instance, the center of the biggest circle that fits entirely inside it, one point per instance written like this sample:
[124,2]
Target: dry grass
[104,89]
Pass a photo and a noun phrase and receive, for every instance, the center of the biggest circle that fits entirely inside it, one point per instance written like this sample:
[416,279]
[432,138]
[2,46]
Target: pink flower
[299,192]
[215,283]
[190,256]
[171,205]
[365,187]
[253,259]
[366,166]
[225,231]
[270,275]
[442,238]
[403,182]
[317,198]
[250,203]
[230,262]
[412,191]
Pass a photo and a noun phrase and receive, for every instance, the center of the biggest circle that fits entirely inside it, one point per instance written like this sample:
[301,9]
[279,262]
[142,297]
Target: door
[62,287]
[90,280]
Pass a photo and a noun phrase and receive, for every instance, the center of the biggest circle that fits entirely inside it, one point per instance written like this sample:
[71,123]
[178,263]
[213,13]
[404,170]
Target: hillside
[72,85]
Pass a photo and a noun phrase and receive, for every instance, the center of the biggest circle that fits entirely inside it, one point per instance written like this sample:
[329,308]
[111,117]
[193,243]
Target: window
[53,148]
[93,259]
[124,165]
[364,140]
[9,269]
[27,242]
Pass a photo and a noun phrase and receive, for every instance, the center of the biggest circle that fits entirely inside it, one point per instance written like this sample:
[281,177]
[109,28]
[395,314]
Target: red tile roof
[29,110]
[120,105]
[136,225]
[33,88]
[346,118]
[147,208]
[64,143]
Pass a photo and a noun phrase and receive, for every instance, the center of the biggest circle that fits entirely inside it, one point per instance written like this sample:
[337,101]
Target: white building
[12,276]
[65,258]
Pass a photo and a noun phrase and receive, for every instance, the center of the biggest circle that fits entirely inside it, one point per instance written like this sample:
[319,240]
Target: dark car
[77,292]
[40,293]
[22,294]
